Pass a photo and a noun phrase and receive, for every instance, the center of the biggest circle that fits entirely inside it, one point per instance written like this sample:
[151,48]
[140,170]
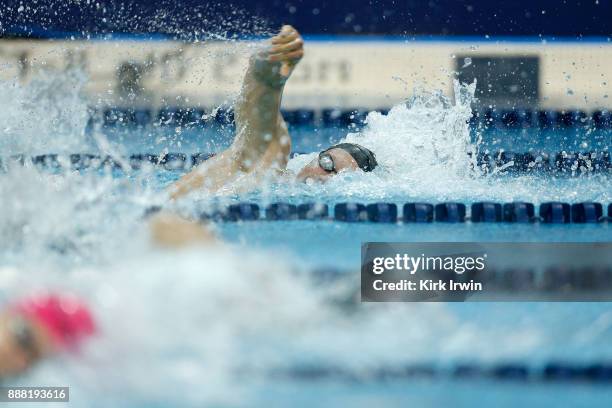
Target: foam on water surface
[206,326]
[426,153]
[47,115]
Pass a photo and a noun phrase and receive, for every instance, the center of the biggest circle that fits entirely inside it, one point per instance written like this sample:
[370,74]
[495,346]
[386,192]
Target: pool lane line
[446,212]
[513,163]
[521,372]
[334,117]
[415,212]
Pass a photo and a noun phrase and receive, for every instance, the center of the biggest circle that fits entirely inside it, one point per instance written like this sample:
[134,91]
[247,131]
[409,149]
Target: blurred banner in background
[359,54]
[370,73]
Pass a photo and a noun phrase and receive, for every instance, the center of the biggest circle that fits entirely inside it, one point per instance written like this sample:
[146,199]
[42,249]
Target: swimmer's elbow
[177,190]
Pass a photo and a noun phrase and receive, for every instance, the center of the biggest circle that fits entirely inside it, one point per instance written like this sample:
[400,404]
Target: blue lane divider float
[382,212]
[180,116]
[486,212]
[555,213]
[418,212]
[517,118]
[586,212]
[343,118]
[170,116]
[522,162]
[240,212]
[50,161]
[573,118]
[281,211]
[546,119]
[448,212]
[602,119]
[517,372]
[350,212]
[594,161]
[332,117]
[199,158]
[84,161]
[273,212]
[312,211]
[173,161]
[299,117]
[519,212]
[543,119]
[127,117]
[137,161]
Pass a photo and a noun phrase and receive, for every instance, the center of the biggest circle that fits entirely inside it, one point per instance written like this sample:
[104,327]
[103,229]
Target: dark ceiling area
[192,18]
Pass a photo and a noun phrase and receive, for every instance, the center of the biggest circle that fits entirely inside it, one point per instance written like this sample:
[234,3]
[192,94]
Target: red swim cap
[66,319]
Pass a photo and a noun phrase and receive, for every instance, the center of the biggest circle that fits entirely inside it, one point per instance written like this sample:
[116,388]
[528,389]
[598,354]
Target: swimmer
[39,327]
[262,143]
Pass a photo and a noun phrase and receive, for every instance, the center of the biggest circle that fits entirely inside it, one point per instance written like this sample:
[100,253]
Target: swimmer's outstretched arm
[260,124]
[262,138]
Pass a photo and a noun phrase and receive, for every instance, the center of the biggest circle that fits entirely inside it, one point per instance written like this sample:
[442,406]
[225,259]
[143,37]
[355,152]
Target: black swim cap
[364,157]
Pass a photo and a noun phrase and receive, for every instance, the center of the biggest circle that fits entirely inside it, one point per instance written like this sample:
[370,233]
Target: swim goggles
[326,162]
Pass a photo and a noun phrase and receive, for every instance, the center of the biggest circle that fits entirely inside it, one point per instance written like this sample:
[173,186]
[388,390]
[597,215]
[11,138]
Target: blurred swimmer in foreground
[173,231]
[262,143]
[39,327]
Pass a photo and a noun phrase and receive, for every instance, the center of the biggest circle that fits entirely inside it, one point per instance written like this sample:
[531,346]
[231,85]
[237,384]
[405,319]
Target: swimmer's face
[22,344]
[342,161]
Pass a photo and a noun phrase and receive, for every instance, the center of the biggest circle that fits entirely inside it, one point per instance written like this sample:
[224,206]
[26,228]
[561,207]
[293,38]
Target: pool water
[231,325]
[328,244]
[426,393]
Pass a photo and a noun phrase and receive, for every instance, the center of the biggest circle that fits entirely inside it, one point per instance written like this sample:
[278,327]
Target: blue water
[434,394]
[333,244]
[574,332]
[325,244]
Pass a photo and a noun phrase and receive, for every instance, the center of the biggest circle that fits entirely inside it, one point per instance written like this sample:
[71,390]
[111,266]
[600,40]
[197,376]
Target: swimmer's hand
[275,64]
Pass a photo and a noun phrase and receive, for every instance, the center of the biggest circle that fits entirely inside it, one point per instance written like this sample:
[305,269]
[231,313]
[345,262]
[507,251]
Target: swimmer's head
[38,326]
[64,317]
[336,159]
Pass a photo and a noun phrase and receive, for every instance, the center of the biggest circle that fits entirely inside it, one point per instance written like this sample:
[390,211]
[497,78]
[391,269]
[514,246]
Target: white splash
[425,152]
[428,133]
[425,139]
[47,115]
[204,326]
